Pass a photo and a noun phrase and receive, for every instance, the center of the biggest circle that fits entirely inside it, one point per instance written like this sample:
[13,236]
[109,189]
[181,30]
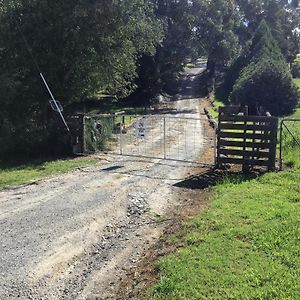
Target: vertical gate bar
[169,137]
[185,139]
[121,138]
[178,143]
[165,155]
[84,134]
[195,128]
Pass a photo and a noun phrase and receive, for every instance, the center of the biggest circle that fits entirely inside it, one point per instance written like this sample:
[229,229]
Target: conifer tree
[266,81]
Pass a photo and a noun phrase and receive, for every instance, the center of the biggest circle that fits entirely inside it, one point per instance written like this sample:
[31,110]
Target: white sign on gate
[141,127]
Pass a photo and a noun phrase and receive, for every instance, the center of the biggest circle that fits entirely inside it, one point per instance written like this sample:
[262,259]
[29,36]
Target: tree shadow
[214,177]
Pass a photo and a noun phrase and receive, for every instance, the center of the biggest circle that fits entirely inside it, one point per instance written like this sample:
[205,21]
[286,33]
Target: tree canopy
[121,47]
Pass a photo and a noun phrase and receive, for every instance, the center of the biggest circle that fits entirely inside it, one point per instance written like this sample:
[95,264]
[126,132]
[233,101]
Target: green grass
[214,111]
[25,173]
[245,246]
[291,151]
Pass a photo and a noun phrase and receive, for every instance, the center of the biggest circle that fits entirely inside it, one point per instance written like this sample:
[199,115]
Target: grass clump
[11,175]
[245,246]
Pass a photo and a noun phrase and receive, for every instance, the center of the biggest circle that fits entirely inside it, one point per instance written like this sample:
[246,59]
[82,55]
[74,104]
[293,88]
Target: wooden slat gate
[246,140]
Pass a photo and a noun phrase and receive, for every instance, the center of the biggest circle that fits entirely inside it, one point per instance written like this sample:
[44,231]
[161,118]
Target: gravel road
[73,236]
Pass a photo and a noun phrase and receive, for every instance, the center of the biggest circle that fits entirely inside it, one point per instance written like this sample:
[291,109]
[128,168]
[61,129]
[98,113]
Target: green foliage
[296,67]
[266,82]
[157,73]
[98,131]
[82,48]
[232,74]
[244,246]
[214,31]
[283,18]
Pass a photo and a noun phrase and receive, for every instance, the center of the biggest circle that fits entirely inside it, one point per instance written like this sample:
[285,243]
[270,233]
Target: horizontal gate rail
[246,140]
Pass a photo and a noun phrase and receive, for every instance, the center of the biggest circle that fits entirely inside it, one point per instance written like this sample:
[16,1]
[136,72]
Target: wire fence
[150,136]
[289,141]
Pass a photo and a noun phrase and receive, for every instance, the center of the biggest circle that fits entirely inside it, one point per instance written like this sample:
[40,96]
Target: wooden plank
[272,165]
[260,145]
[256,127]
[261,119]
[241,161]
[246,153]
[240,135]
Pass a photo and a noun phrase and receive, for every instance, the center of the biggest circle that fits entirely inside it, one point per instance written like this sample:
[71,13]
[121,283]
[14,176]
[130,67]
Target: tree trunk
[211,67]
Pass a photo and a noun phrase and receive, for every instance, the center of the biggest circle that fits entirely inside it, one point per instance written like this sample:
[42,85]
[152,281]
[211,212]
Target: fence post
[280,148]
[274,149]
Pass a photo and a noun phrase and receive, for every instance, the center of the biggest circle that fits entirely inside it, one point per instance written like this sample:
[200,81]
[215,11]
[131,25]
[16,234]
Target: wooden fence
[246,140]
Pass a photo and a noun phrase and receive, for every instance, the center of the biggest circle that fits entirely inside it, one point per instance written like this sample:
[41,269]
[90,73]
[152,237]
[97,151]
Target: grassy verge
[214,110]
[245,246]
[25,173]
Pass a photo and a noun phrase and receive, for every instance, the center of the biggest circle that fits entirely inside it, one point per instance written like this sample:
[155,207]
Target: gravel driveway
[74,235]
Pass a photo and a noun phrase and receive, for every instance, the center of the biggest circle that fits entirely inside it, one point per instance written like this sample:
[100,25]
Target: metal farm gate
[167,137]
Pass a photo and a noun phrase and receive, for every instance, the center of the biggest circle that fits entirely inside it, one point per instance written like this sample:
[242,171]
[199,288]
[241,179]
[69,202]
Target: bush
[266,84]
[296,68]
[266,81]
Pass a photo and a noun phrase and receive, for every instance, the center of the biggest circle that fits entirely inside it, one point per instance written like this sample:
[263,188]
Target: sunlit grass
[245,246]
[25,173]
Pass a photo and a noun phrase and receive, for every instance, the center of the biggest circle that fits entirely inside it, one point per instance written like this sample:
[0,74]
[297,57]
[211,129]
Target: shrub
[266,81]
[296,67]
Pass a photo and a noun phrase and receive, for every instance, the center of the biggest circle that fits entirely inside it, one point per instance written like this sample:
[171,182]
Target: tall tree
[266,81]
[214,30]
[283,17]
[158,71]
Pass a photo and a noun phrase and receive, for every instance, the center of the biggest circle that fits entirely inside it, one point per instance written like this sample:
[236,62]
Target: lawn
[26,173]
[246,245]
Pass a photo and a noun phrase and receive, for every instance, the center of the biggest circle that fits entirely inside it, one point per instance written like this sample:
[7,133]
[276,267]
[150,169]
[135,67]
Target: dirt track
[76,235]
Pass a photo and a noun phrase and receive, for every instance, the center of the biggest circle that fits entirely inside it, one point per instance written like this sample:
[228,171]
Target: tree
[158,72]
[83,48]
[283,17]
[214,30]
[266,81]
